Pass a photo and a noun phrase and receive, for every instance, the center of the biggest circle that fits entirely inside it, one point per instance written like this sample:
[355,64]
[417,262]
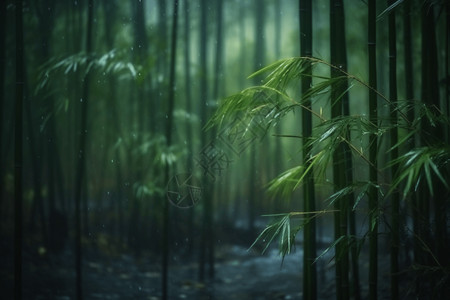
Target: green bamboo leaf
[418,163]
[285,183]
[426,166]
[273,230]
[389,9]
[268,68]
[438,174]
[333,245]
[363,192]
[404,139]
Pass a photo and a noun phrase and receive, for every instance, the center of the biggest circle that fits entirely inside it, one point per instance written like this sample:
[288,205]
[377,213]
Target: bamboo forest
[225,149]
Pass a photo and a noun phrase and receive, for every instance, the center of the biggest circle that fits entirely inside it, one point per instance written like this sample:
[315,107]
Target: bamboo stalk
[395,197]
[373,143]
[340,156]
[168,133]
[80,172]
[18,153]
[309,272]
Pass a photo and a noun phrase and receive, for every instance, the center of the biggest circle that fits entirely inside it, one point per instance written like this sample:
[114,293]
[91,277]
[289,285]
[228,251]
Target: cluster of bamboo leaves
[272,100]
[113,63]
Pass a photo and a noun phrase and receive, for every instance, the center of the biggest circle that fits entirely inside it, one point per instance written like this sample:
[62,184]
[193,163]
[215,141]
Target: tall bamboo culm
[339,59]
[309,272]
[18,156]
[395,196]
[373,142]
[82,160]
[168,134]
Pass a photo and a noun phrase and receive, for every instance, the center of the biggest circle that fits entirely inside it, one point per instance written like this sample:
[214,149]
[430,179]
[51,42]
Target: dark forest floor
[239,274]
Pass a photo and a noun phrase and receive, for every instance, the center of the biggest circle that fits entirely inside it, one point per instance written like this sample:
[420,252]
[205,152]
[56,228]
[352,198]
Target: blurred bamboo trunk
[395,196]
[309,271]
[341,157]
[373,146]
[81,158]
[190,112]
[168,134]
[2,99]
[207,194]
[18,153]
[432,205]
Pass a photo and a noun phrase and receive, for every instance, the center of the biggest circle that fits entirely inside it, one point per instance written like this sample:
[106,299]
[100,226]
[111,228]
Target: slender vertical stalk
[433,134]
[336,111]
[38,205]
[242,42]
[203,116]
[338,92]
[278,26]
[309,272]
[447,62]
[188,93]
[219,51]
[373,142]
[18,155]
[169,129]
[258,62]
[348,165]
[82,159]
[395,197]
[216,88]
[2,95]
[423,208]
[409,93]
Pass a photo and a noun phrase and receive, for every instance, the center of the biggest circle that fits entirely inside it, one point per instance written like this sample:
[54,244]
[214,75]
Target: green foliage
[267,104]
[389,9]
[281,229]
[112,62]
[359,188]
[425,162]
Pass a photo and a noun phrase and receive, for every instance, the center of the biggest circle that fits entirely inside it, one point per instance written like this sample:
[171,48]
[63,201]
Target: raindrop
[140,288]
[167,116]
[112,161]
[81,99]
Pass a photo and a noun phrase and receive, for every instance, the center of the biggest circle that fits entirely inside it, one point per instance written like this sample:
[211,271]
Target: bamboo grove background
[341,137]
